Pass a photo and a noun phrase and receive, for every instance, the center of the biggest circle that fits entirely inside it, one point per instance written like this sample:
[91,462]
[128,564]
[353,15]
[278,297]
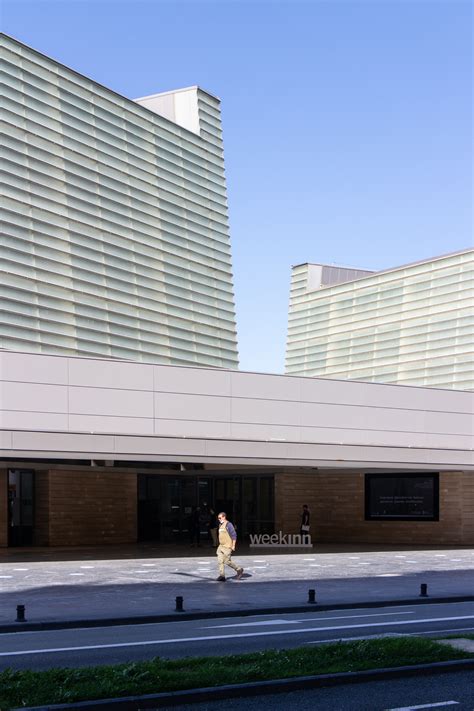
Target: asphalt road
[106,645]
[447,692]
[55,585]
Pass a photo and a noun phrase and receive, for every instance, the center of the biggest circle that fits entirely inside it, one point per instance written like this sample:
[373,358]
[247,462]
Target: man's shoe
[240,573]
[221,579]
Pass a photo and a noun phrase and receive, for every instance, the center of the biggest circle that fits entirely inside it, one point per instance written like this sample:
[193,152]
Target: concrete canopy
[84,408]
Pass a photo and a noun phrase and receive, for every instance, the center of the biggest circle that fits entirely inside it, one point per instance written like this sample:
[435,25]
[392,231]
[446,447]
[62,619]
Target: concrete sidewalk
[89,584]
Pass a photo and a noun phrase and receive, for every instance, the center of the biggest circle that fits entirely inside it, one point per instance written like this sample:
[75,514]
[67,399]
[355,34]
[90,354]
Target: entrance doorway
[20,507]
[248,502]
[166,504]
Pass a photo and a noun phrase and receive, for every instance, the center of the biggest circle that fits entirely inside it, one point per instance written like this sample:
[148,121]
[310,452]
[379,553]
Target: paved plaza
[128,581]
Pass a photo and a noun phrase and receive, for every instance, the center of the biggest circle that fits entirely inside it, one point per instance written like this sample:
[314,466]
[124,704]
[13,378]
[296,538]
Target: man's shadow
[202,577]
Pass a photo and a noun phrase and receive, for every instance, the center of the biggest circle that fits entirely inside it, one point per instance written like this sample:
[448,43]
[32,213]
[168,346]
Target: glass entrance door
[166,504]
[179,497]
[227,496]
[248,502]
[20,507]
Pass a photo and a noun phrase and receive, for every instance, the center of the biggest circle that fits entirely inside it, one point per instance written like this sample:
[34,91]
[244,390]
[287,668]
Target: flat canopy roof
[85,408]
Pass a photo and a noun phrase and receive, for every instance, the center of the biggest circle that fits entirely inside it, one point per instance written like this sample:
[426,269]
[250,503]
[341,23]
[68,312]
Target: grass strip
[34,688]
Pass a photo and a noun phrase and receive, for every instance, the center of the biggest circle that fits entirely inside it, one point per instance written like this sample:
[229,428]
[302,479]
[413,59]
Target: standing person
[213,523]
[204,519]
[227,543]
[304,529]
[195,527]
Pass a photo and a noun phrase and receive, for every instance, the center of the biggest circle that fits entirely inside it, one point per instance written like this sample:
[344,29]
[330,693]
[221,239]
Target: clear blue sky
[347,125]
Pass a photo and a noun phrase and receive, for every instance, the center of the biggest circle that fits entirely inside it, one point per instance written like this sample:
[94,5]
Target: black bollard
[20,613]
[179,604]
[312,596]
[423,590]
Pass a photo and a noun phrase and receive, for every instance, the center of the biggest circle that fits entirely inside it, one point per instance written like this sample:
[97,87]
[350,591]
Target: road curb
[202,615]
[257,688]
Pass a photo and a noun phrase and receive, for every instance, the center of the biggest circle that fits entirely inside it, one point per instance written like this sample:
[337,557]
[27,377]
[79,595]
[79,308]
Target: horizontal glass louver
[413,325]
[116,237]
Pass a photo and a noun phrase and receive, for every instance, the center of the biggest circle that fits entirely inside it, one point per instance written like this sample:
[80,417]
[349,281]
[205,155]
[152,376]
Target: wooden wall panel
[336,501]
[92,508]
[292,490]
[41,530]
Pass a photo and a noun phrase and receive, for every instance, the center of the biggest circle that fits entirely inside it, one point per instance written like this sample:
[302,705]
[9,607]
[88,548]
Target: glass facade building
[412,325]
[115,228]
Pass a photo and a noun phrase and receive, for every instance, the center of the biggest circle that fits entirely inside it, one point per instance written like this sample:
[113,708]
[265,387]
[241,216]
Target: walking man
[227,543]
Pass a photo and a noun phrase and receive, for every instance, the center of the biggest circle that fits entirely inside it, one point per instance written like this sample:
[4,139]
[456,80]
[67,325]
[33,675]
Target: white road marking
[414,634]
[252,624]
[6,576]
[209,638]
[76,573]
[87,567]
[426,706]
[306,619]
[148,565]
[21,569]
[388,575]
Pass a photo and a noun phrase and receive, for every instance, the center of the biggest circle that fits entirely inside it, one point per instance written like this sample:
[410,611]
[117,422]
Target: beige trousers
[224,557]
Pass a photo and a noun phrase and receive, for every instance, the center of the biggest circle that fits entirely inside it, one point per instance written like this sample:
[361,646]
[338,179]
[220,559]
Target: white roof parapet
[360,273]
[180,106]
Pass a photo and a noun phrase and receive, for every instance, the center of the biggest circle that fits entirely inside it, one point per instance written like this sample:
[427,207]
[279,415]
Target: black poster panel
[402,497]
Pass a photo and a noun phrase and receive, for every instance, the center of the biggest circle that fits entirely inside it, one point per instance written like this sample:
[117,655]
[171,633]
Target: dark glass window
[20,507]
[402,497]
